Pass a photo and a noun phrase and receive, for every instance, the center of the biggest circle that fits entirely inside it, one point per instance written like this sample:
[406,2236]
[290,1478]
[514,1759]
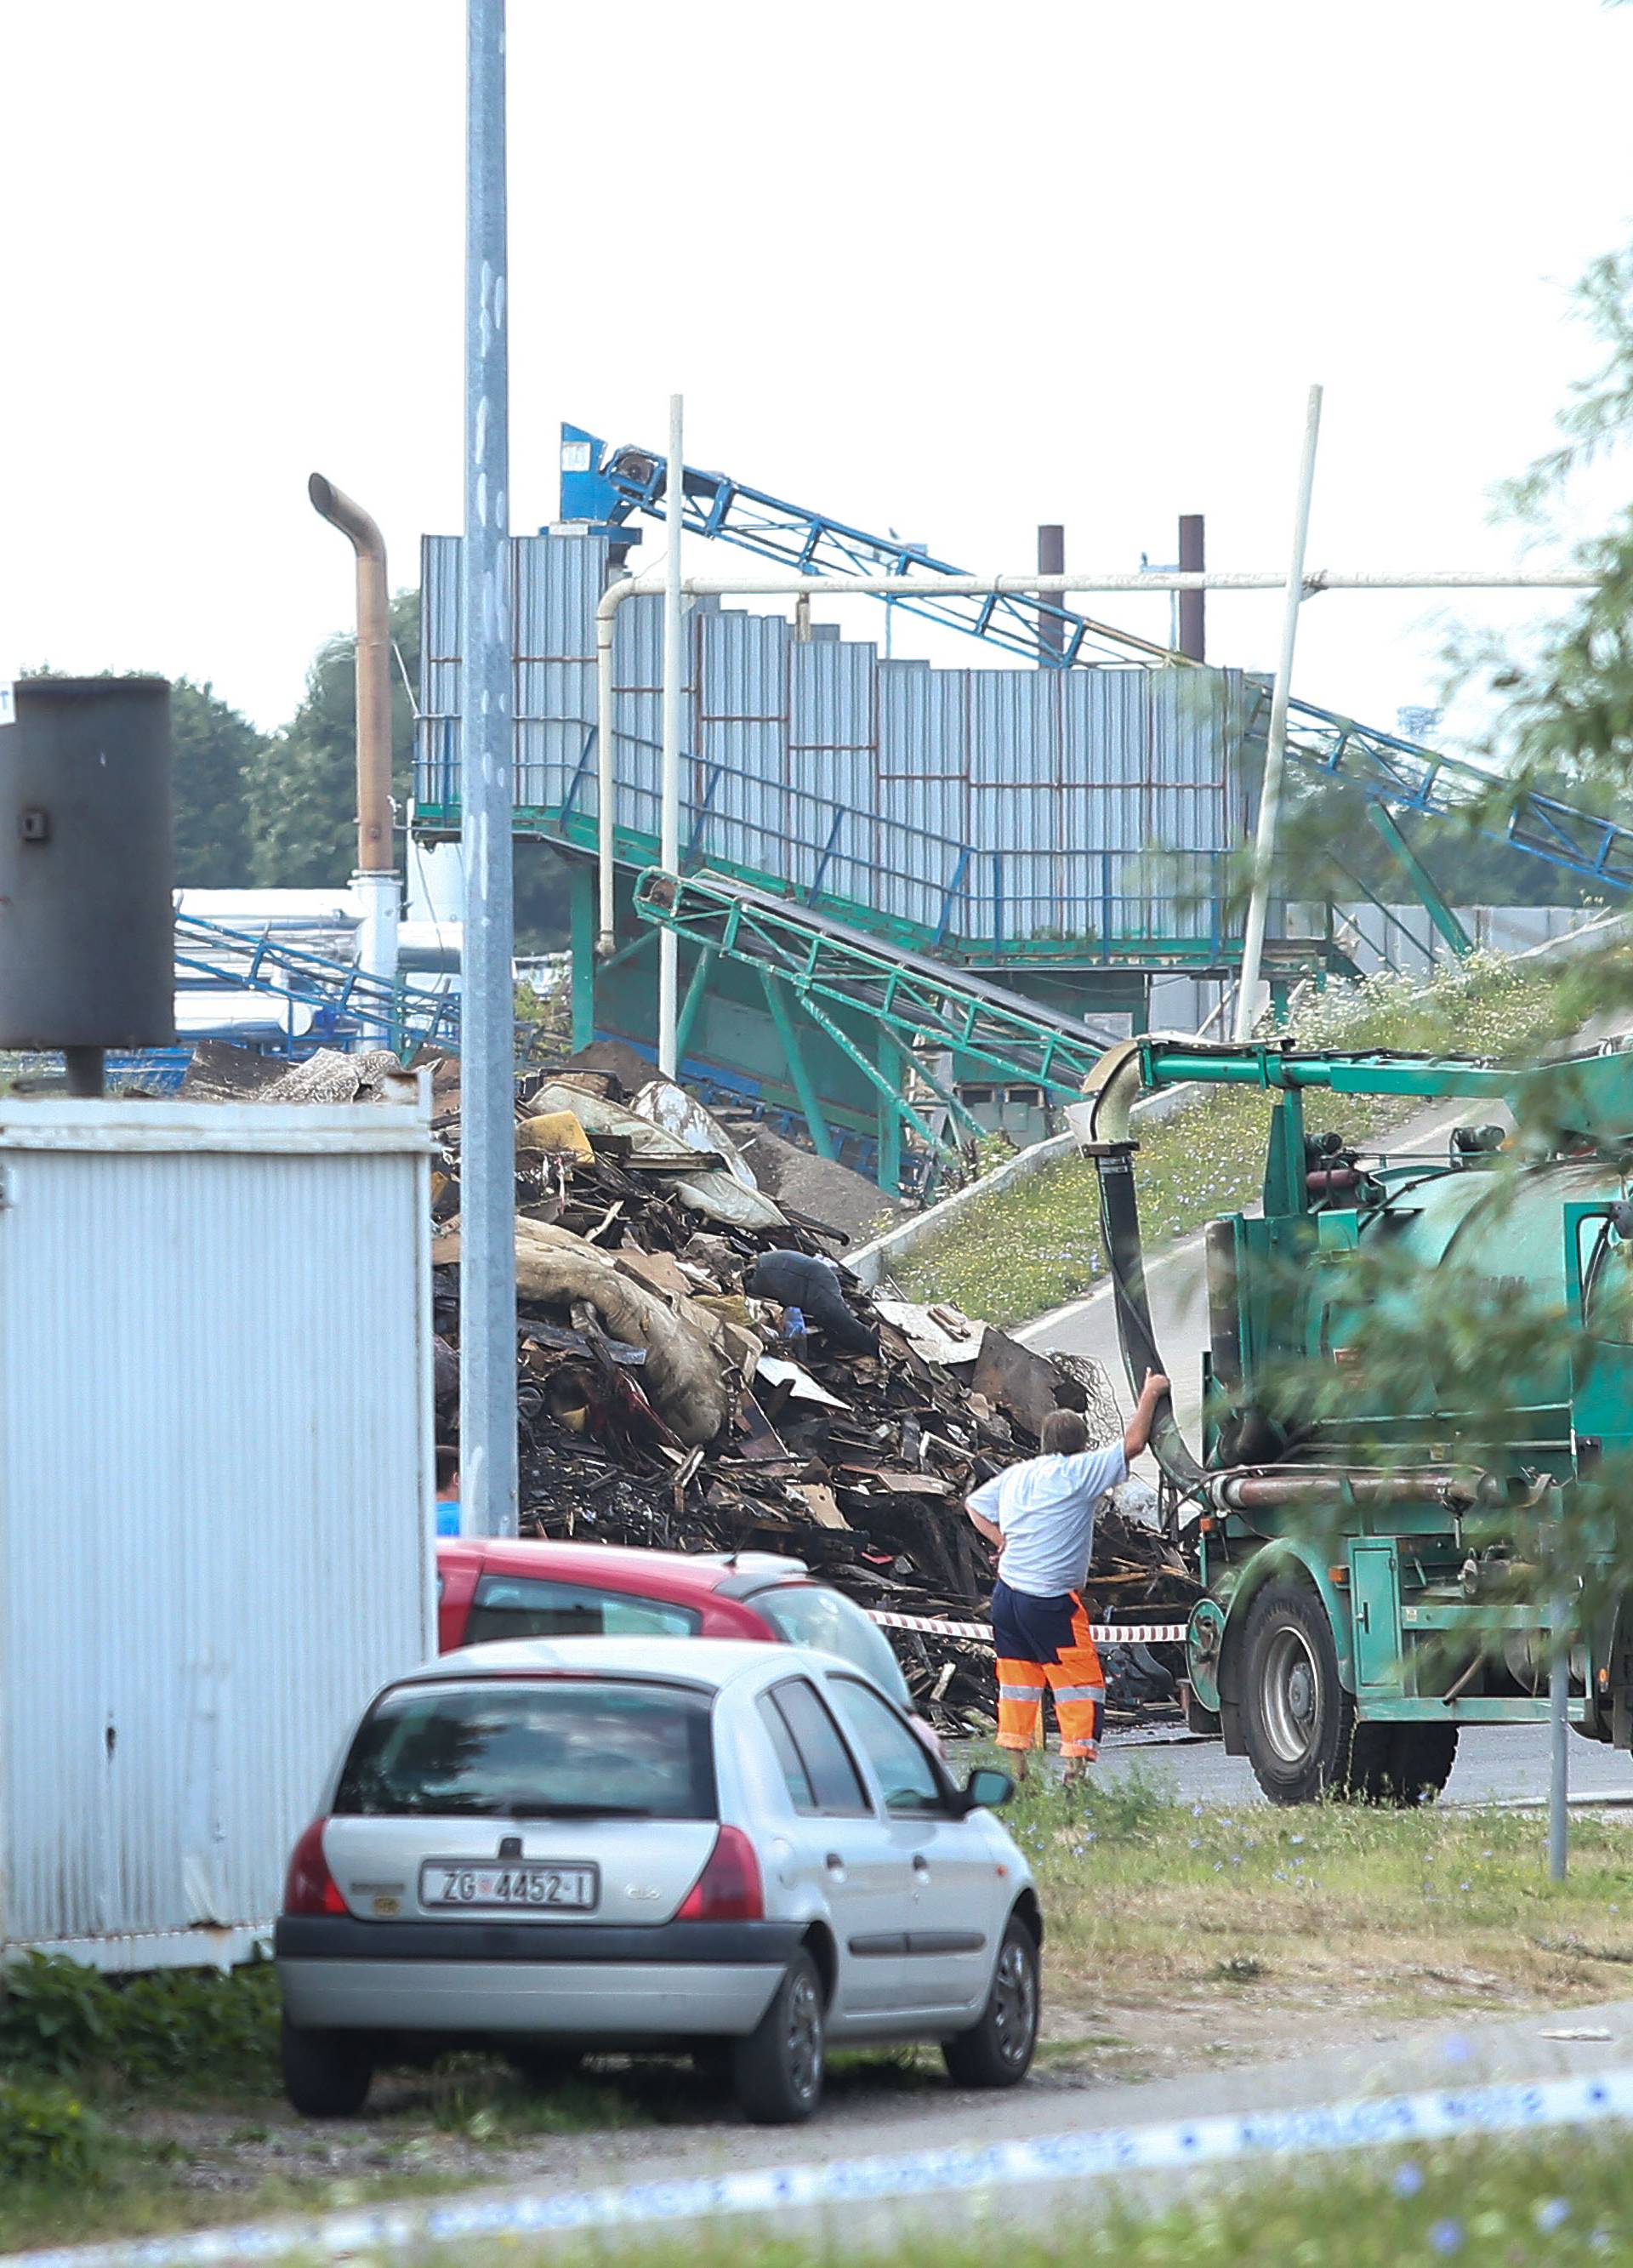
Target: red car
[489,1589]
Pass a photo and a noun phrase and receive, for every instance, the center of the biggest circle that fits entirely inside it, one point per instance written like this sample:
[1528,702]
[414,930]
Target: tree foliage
[303,799]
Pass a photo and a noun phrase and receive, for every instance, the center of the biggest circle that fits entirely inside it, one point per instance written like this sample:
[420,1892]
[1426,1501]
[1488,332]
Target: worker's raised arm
[1138,1430]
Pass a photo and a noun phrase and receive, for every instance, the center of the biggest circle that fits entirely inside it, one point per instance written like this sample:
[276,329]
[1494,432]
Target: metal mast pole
[674,682]
[488,1047]
[1559,1733]
[1276,744]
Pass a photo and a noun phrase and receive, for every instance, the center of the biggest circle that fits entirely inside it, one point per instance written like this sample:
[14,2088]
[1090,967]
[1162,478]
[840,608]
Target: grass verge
[1149,1901]
[1035,1243]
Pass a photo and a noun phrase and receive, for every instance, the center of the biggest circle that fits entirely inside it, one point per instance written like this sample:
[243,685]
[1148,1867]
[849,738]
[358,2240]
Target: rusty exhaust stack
[374,846]
[374,885]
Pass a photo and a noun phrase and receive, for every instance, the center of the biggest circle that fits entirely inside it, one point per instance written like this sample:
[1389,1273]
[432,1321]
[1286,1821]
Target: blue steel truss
[345,1002]
[606,486]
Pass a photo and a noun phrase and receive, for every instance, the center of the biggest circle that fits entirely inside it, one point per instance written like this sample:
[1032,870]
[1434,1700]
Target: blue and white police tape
[1102,1633]
[1442,2115]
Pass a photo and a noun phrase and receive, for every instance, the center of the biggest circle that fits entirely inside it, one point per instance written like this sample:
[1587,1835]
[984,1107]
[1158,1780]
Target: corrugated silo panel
[1020,826]
[922,721]
[1014,737]
[1187,718]
[1186,818]
[570,573]
[1107,728]
[743,667]
[830,694]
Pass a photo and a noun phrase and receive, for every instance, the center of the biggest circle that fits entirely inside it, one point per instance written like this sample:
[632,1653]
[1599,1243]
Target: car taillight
[728,1888]
[309,1888]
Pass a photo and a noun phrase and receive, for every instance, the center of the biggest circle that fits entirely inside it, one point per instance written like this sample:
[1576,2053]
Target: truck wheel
[1298,1721]
[777,2071]
[326,2074]
[1418,1764]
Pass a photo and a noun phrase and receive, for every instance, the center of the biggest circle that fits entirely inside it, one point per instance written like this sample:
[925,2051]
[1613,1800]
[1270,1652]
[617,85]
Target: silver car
[744,1851]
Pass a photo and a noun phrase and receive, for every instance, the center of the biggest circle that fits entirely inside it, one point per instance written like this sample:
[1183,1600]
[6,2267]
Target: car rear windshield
[809,1614]
[570,1748]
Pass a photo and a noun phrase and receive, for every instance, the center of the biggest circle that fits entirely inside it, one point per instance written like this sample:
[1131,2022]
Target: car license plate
[512,1884]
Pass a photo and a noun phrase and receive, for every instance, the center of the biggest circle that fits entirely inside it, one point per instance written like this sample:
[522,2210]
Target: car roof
[623,1567]
[708,1662]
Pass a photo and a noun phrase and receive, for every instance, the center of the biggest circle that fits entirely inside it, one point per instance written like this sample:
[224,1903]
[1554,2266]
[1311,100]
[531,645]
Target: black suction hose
[1113,1086]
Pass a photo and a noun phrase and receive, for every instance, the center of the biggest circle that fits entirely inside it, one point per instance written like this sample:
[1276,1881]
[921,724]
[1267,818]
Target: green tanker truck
[1372,1542]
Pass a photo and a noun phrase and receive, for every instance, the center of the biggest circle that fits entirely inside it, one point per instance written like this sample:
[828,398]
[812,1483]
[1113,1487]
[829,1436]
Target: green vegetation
[1151,1901]
[1035,1243]
[45,2133]
[188,2030]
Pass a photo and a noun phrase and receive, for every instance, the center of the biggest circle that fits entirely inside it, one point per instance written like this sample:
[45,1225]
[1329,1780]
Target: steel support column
[891,1107]
[692,1002]
[798,1071]
[581,914]
[1419,876]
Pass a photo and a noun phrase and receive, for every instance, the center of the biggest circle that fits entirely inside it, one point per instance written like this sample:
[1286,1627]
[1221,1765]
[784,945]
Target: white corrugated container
[215,1499]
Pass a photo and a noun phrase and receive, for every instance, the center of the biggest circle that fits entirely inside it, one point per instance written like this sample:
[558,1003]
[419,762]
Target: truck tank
[1502,1232]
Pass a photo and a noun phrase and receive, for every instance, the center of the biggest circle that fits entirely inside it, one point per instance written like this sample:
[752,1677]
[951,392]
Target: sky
[944,268]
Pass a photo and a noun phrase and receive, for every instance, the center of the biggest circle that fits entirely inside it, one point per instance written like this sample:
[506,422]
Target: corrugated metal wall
[1001,802]
[214,1450]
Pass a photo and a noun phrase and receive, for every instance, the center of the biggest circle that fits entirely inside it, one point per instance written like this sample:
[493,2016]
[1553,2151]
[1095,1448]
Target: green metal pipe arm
[1166,1062]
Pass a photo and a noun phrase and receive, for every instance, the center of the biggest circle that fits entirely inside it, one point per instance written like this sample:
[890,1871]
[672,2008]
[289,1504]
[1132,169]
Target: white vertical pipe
[487,1014]
[674,676]
[1276,743]
[606,789]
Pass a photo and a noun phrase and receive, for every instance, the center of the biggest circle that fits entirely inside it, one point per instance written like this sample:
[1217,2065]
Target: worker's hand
[1155,1387]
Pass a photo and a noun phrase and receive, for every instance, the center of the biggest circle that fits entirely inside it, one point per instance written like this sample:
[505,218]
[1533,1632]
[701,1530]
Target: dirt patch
[818,1187]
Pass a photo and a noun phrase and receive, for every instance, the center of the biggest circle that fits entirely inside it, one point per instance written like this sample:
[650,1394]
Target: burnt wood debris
[658,1403]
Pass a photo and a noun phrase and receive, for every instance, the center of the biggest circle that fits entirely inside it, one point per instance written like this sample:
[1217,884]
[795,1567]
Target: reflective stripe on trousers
[1074,1676]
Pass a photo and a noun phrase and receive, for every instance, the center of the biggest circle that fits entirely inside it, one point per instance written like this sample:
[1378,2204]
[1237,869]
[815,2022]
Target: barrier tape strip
[1102,1633]
[1361,2122]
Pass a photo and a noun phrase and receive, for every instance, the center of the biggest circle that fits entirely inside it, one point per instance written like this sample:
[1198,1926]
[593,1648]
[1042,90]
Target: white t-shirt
[1045,1509]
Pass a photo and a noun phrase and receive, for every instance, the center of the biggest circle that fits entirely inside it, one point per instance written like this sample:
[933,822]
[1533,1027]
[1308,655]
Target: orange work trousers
[1044,1645]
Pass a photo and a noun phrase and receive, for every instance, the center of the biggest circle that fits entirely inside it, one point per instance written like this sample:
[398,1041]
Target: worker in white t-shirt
[1041,1514]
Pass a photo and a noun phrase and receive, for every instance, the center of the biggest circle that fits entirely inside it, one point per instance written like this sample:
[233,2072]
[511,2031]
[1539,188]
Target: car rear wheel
[999,2051]
[777,2071]
[326,2074]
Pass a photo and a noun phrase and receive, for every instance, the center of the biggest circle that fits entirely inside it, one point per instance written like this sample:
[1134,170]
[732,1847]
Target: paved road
[1501,1761]
[875,2202]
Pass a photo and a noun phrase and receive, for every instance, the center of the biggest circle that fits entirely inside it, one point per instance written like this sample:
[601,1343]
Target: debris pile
[677,1386]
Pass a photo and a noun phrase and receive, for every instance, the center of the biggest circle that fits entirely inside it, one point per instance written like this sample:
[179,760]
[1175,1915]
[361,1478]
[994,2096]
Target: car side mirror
[987,1789]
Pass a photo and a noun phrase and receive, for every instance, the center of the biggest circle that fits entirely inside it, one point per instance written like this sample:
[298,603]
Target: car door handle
[921,1864]
[834,1864]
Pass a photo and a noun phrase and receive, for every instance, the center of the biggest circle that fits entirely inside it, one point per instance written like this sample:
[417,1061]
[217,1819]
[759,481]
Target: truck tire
[777,2071]
[1418,1763]
[326,2074]
[1299,1724]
